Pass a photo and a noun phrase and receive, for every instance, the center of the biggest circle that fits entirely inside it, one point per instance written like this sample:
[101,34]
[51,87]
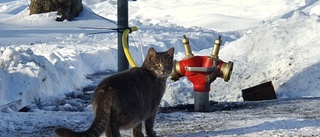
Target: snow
[45,64]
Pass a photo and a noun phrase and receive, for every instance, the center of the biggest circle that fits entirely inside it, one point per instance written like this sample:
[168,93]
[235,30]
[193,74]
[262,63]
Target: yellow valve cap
[226,71]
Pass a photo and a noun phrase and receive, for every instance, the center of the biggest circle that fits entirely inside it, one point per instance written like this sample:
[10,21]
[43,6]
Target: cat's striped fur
[126,99]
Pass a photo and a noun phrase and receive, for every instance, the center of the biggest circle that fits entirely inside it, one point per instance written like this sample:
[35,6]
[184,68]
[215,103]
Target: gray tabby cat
[126,99]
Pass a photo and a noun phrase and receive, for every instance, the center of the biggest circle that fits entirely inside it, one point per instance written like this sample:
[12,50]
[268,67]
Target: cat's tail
[97,127]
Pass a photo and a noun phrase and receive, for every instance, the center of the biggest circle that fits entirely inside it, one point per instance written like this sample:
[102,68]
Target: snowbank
[51,59]
[41,58]
[284,51]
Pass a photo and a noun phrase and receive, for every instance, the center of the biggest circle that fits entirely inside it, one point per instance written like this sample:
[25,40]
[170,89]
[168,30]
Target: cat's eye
[157,65]
[166,65]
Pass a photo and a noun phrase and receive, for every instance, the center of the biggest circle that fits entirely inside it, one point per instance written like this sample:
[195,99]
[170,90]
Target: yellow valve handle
[126,47]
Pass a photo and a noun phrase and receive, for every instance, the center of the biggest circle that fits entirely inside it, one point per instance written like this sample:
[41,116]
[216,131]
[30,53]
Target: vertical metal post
[201,101]
[122,23]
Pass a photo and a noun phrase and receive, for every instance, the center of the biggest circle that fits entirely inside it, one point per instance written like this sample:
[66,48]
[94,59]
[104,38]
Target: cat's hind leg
[149,123]
[137,131]
[112,131]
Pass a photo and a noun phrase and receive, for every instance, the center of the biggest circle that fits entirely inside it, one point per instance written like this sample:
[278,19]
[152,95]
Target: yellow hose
[126,47]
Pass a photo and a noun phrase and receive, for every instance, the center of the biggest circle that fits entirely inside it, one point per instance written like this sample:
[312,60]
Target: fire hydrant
[201,71]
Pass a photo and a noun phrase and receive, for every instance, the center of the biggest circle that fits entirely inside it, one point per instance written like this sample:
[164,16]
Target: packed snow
[45,64]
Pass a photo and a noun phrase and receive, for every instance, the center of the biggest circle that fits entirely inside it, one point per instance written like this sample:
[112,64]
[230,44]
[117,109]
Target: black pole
[122,23]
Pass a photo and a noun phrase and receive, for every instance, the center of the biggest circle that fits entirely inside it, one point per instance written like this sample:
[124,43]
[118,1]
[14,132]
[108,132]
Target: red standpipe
[201,71]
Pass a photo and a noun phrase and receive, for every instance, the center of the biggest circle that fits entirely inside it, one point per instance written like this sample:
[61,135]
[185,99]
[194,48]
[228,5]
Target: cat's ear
[170,51]
[151,52]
